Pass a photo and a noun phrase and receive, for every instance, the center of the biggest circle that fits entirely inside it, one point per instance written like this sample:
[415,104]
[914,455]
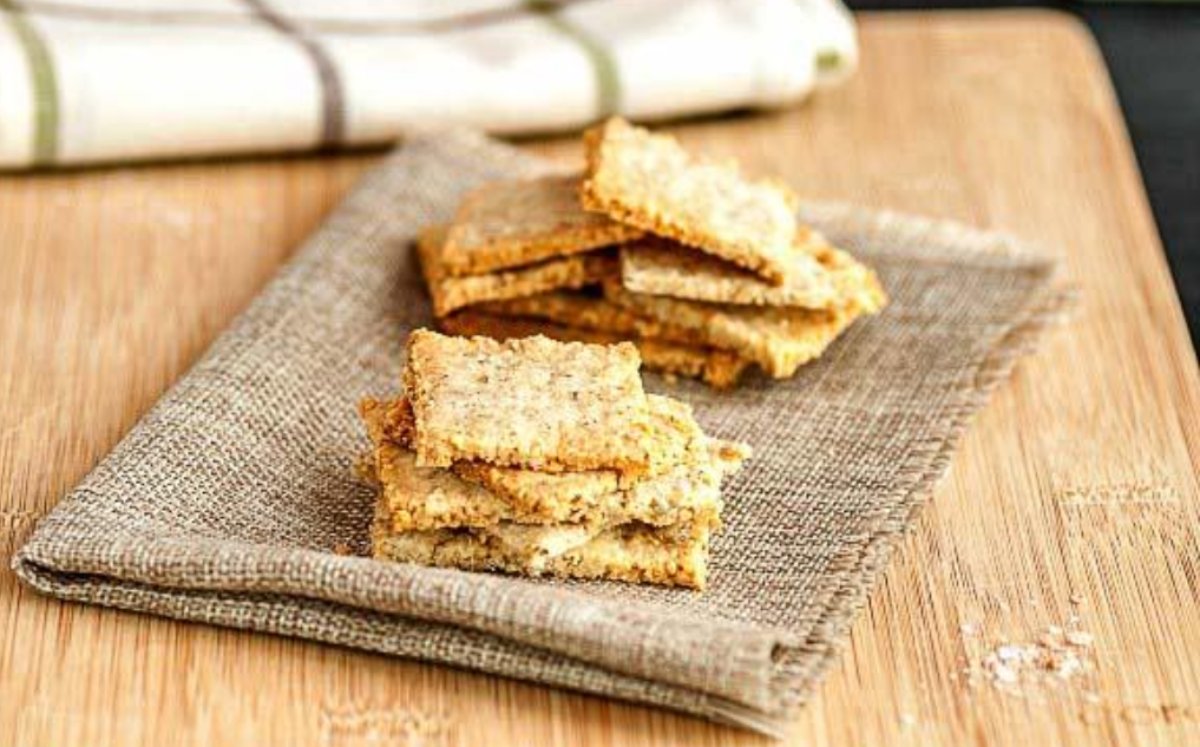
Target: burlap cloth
[223,504]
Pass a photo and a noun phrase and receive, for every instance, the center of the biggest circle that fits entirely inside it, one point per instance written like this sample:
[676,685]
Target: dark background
[1153,55]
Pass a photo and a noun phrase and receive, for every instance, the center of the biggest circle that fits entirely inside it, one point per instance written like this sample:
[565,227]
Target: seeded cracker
[663,268]
[531,402]
[520,547]
[449,293]
[649,181]
[719,369]
[420,498]
[509,224]
[479,495]
[779,339]
[674,556]
[854,284]
[588,312]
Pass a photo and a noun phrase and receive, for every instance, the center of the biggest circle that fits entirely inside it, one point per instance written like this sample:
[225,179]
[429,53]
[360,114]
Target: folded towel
[89,81]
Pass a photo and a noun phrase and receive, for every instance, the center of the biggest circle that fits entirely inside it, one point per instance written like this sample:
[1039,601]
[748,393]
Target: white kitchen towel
[87,81]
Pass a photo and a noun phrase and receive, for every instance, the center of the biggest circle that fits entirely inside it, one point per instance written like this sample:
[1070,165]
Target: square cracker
[532,402]
[525,546]
[651,182]
[719,369]
[855,285]
[450,292]
[479,495]
[513,223]
[779,339]
[689,491]
[670,556]
[662,267]
[587,312]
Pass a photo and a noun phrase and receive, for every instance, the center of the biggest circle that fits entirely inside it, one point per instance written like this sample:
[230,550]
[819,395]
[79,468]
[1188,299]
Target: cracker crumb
[1060,654]
[1004,673]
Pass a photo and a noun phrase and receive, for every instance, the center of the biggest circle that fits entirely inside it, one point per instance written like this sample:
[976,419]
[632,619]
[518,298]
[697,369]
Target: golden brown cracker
[479,495]
[779,339]
[448,292]
[649,181]
[855,285]
[720,369]
[568,309]
[529,402]
[671,556]
[664,268]
[508,224]
[685,487]
[586,311]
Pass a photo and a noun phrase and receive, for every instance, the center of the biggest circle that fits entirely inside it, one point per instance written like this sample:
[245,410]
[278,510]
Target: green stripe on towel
[43,82]
[604,67]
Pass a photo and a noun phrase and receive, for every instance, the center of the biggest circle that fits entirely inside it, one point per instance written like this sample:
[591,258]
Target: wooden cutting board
[1075,492]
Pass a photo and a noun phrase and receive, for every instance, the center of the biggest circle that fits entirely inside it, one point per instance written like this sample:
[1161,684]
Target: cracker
[569,309]
[671,556]
[587,312]
[649,181]
[474,495]
[449,292]
[672,426]
[512,223]
[431,497]
[688,491]
[415,498]
[532,402]
[423,498]
[471,323]
[664,268]
[855,285]
[720,369]
[779,339]
[470,495]
[526,547]
[533,545]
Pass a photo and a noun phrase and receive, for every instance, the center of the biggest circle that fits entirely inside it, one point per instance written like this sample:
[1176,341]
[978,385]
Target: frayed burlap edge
[800,670]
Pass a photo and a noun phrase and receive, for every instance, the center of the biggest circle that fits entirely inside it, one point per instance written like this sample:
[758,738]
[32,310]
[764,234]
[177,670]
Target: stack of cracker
[539,457]
[705,271]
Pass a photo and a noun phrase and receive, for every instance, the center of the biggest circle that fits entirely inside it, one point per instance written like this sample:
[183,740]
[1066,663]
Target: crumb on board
[1058,656]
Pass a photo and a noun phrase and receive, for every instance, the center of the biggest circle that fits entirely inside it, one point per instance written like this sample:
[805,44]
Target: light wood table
[1079,479]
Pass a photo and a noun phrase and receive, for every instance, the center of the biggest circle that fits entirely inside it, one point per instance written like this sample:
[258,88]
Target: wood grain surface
[1078,482]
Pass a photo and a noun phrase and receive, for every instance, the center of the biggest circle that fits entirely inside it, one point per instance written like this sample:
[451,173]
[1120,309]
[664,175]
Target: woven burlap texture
[224,504]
